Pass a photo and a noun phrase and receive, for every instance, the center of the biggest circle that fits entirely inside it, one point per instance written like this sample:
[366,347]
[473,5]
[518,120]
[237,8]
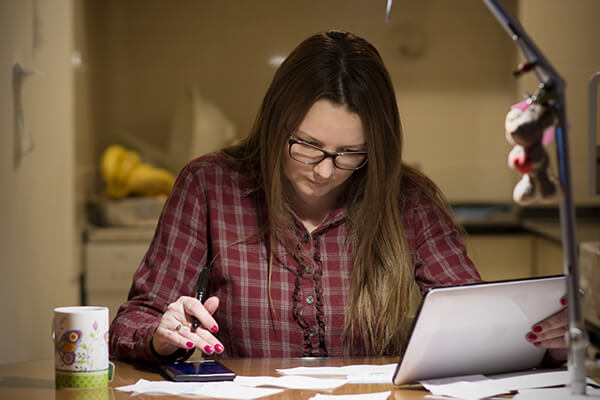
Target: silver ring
[178,328]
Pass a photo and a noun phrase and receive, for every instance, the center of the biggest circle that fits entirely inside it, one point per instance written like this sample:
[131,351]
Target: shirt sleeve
[169,269]
[439,253]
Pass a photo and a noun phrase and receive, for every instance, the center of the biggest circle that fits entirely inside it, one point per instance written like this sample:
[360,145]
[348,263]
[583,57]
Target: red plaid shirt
[210,211]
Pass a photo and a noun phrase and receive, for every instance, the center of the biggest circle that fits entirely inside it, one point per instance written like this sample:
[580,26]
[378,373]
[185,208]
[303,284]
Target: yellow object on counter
[125,174]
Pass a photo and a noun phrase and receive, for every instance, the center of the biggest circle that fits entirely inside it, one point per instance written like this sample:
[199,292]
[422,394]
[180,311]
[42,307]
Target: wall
[567,33]
[88,37]
[450,62]
[38,240]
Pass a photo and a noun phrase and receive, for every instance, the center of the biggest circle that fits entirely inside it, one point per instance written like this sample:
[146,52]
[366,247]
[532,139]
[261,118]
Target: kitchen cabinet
[589,267]
[548,244]
[112,255]
[502,256]
[548,257]
[514,256]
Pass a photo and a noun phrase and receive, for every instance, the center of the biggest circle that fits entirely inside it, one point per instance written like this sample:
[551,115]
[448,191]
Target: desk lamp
[552,92]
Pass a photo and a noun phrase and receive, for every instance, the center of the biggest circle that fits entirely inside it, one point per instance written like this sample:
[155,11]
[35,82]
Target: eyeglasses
[307,153]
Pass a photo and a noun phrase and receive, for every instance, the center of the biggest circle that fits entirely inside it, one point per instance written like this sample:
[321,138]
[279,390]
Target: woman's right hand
[175,328]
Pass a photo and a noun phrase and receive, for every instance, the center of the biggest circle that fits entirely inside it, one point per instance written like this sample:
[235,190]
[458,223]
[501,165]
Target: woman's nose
[325,168]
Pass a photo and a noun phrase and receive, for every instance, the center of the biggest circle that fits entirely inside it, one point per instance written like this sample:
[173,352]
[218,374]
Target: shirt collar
[334,218]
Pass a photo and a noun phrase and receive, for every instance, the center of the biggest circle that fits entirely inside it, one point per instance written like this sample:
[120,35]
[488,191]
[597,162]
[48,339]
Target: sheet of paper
[362,396]
[243,387]
[223,390]
[474,387]
[291,382]
[561,393]
[362,373]
[469,387]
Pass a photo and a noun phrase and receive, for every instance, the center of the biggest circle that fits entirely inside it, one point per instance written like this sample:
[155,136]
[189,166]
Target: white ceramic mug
[80,337]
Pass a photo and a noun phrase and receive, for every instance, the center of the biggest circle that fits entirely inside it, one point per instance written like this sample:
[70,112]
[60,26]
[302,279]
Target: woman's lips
[318,184]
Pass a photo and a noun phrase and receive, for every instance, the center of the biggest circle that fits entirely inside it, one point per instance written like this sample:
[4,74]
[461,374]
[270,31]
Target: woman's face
[333,128]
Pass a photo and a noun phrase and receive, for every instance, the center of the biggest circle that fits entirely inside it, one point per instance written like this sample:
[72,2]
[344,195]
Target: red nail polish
[537,329]
[537,343]
[208,349]
[218,348]
[214,329]
[531,337]
[190,344]
[563,301]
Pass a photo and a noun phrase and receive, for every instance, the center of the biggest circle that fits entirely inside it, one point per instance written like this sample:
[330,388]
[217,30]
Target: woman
[312,228]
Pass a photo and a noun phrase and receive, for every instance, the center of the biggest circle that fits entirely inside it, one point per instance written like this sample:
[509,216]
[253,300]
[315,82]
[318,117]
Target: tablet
[478,329]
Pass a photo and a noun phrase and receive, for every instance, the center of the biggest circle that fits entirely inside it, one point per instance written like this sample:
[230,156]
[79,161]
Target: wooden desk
[35,380]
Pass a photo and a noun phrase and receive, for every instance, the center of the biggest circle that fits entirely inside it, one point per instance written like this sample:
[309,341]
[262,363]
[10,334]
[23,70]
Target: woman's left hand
[550,334]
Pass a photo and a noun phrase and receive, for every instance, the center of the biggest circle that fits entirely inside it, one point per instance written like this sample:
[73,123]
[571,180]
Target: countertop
[543,221]
[475,218]
[585,230]
[117,233]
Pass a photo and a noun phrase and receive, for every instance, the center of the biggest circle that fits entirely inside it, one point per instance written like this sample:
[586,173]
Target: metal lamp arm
[547,75]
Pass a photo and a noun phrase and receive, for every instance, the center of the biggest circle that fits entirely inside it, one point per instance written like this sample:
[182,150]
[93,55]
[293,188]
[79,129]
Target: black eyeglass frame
[326,154]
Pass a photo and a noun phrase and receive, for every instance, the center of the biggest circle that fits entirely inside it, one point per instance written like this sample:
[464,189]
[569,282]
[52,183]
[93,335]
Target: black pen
[202,285]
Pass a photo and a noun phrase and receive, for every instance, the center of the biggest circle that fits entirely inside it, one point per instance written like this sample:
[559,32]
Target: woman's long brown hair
[346,70]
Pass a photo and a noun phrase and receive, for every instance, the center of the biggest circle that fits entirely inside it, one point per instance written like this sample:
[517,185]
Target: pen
[202,285]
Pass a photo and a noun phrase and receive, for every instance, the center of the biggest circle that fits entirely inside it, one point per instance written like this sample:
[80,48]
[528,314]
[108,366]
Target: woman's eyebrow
[309,138]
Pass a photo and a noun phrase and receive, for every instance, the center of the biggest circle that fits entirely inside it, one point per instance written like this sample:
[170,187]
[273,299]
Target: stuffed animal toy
[529,129]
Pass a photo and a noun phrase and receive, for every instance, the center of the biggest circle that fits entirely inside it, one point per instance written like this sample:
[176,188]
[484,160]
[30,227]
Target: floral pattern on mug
[67,345]
[81,350]
[85,356]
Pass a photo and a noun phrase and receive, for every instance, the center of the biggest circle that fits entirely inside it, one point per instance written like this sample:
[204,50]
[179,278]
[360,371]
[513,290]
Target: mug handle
[111,371]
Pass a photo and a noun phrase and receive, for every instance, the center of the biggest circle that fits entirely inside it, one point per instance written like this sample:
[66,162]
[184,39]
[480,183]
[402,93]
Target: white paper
[474,387]
[561,393]
[354,373]
[223,390]
[465,387]
[291,382]
[362,396]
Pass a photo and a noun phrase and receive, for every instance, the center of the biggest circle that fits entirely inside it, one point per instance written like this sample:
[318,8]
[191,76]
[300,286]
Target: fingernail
[218,348]
[537,329]
[214,329]
[531,337]
[537,343]
[190,344]
[208,349]
[563,301]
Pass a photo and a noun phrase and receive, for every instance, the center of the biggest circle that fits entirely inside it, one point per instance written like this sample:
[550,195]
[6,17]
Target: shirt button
[310,300]
[312,332]
[306,238]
